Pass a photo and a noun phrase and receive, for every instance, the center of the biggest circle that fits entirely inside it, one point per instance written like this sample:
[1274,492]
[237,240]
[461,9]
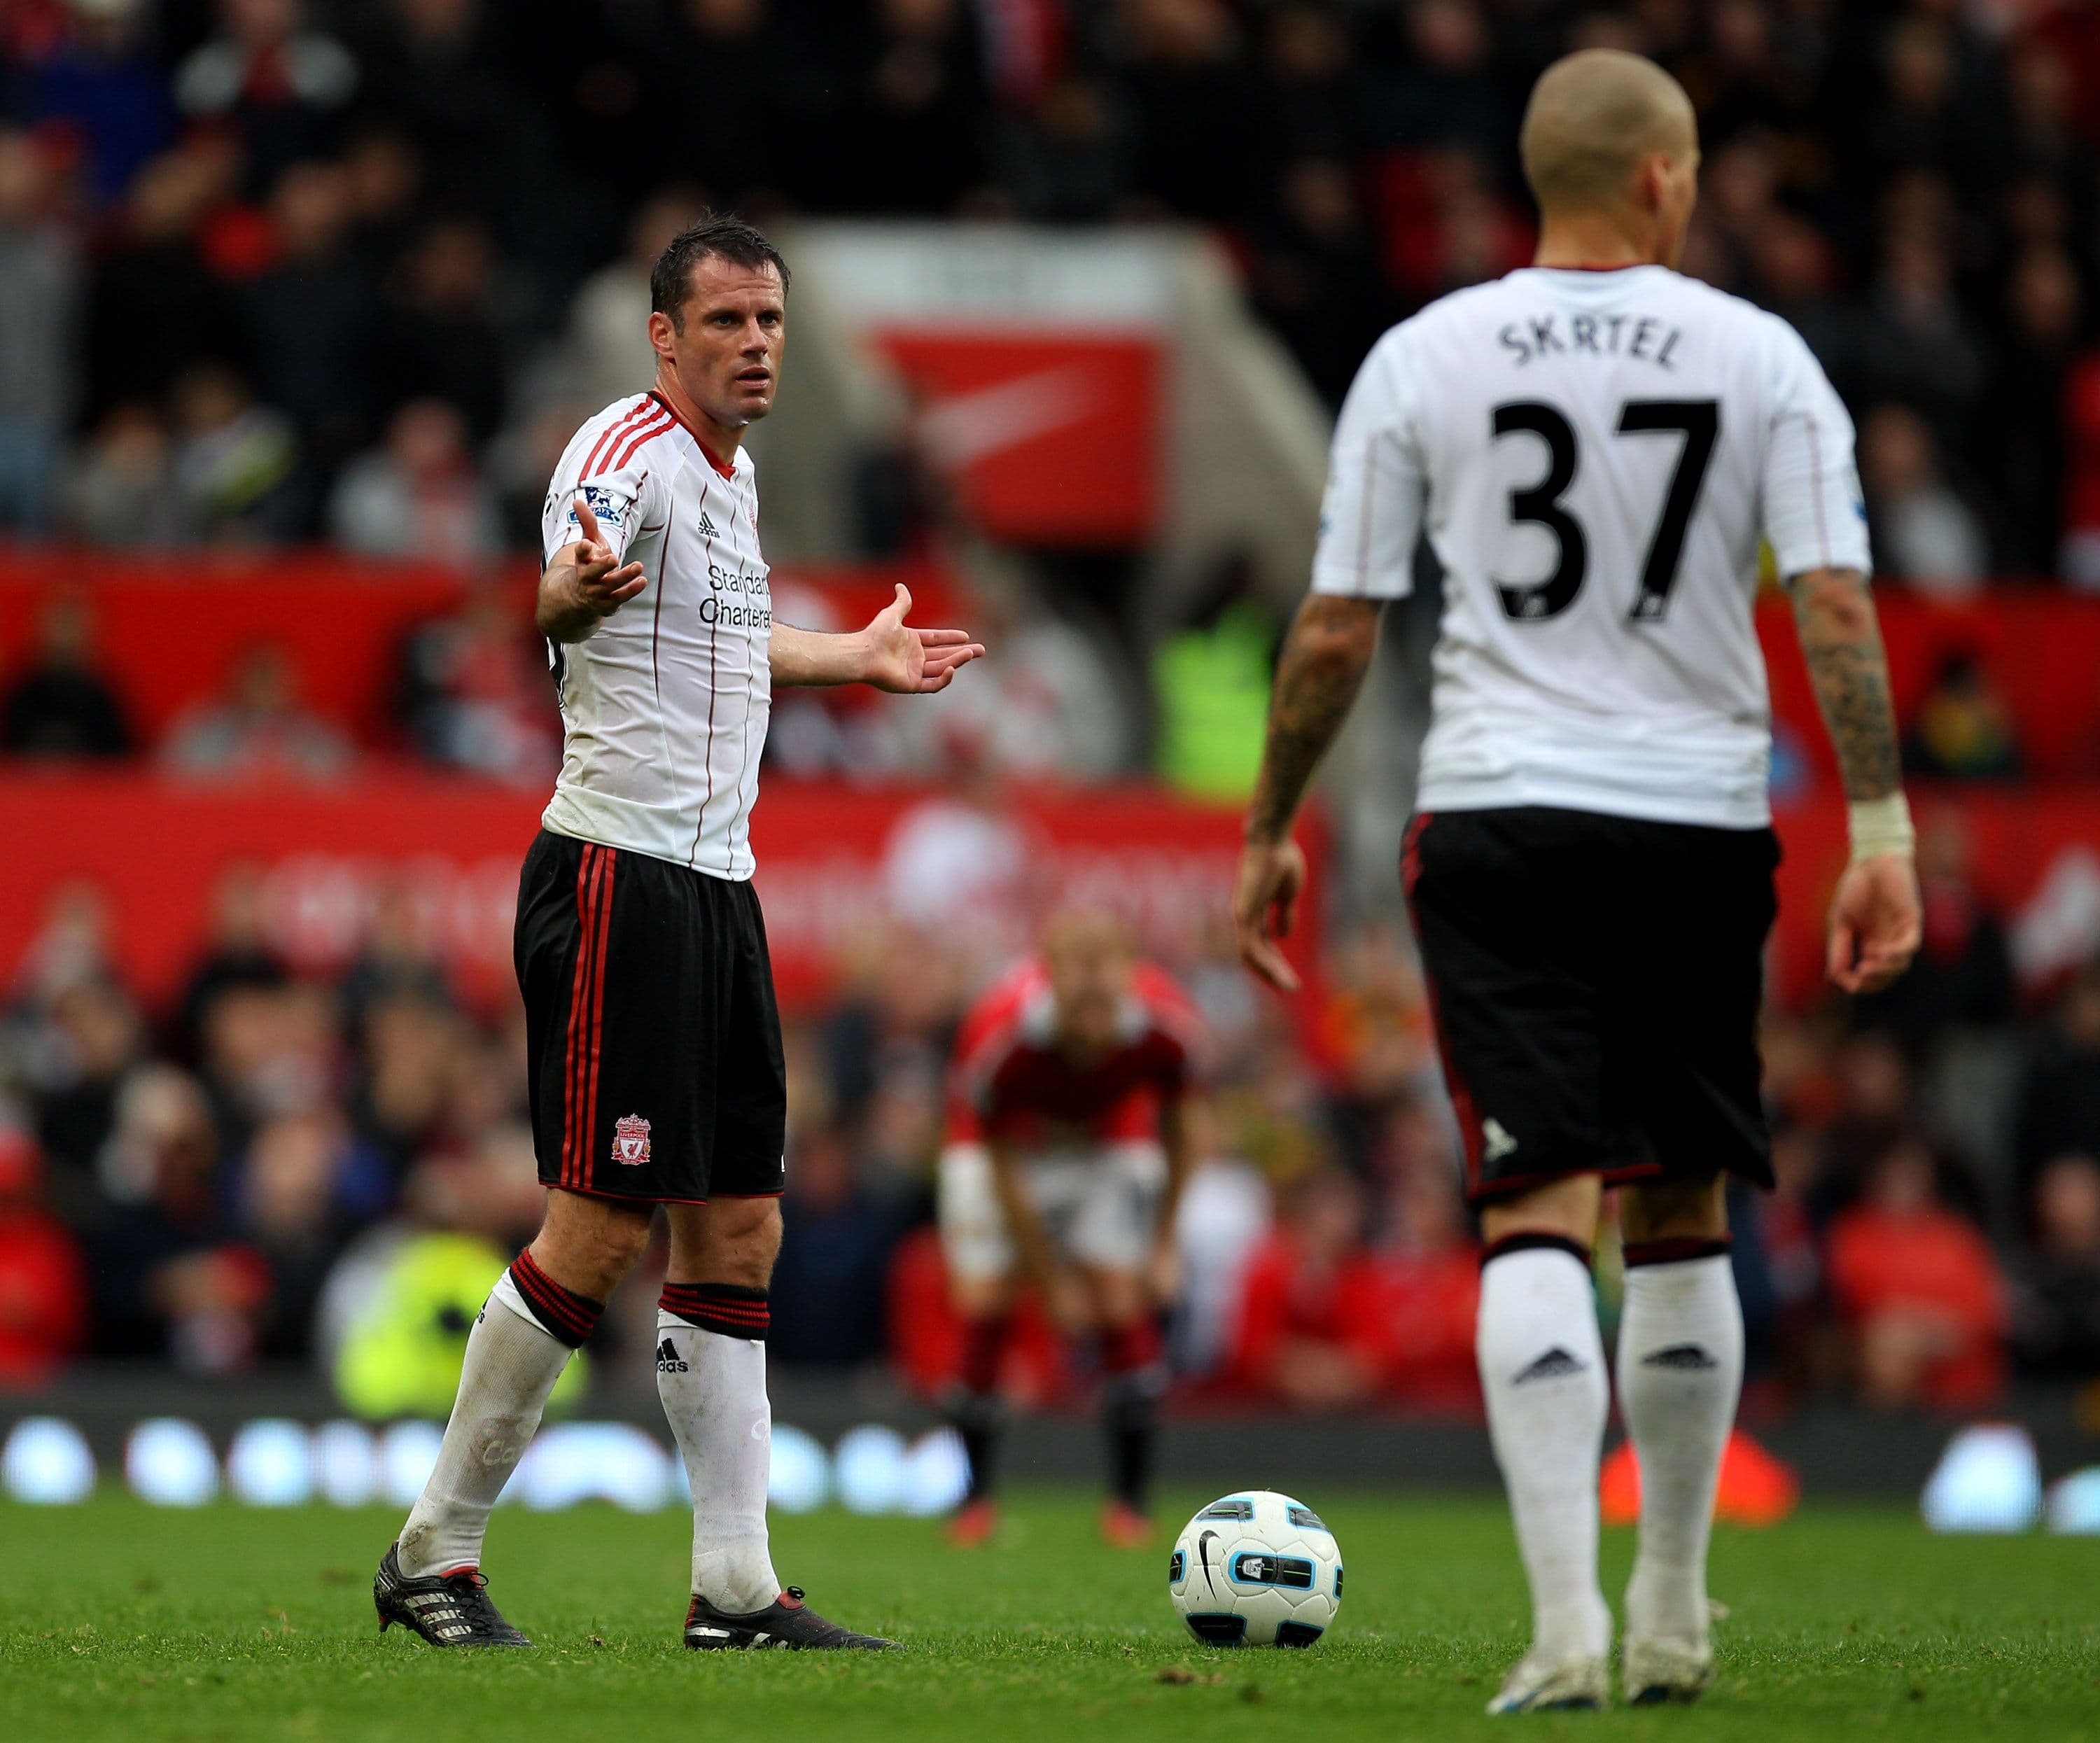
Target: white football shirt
[1595,457]
[665,705]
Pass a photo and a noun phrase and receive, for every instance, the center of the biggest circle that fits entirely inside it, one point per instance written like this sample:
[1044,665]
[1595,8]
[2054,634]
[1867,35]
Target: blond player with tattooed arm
[1597,448]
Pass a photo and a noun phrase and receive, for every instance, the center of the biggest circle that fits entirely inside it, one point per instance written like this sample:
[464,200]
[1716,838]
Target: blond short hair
[1592,118]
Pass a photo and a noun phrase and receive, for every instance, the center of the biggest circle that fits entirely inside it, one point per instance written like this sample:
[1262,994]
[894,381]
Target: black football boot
[451,1610]
[786,1623]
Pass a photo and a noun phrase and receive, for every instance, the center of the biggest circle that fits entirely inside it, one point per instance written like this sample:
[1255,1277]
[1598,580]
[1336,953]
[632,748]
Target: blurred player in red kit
[1068,1147]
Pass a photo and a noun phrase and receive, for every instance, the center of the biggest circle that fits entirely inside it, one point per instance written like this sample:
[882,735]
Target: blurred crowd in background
[330,1169]
[274,272]
[287,269]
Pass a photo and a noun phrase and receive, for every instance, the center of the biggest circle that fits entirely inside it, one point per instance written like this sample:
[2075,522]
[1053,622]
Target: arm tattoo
[1322,667]
[1842,642]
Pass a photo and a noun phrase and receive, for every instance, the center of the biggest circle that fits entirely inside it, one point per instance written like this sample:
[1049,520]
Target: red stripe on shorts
[574,1143]
[609,860]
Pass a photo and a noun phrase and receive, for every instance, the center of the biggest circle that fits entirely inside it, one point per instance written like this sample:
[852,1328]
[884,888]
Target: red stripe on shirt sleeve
[643,433]
[641,408]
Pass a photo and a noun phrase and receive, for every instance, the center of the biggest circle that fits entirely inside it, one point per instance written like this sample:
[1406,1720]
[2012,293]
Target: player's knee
[1675,1210]
[727,1241]
[589,1245]
[1120,1301]
[1566,1207]
[976,1298]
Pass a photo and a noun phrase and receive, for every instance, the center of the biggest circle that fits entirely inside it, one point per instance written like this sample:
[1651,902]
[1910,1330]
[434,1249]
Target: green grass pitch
[120,1621]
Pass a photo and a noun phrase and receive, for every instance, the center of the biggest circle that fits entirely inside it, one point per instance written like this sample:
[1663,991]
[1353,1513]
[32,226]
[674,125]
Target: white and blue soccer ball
[1256,1569]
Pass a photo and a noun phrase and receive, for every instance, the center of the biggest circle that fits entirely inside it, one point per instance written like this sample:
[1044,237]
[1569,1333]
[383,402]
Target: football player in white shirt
[653,1044]
[1593,447]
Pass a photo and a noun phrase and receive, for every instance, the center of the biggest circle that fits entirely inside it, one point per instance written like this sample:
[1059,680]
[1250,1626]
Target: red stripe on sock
[547,1294]
[577,1313]
[564,1307]
[716,1310]
[726,1307]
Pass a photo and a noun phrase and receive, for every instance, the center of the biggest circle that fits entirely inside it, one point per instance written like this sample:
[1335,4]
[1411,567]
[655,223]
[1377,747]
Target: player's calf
[1133,1378]
[974,1411]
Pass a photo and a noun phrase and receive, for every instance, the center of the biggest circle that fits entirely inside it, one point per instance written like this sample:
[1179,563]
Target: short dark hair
[713,234]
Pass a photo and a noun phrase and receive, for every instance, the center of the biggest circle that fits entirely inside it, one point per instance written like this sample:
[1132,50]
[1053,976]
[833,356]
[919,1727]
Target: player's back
[1595,457]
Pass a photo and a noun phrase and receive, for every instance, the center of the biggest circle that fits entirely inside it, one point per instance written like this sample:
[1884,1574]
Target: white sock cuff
[1680,1282]
[1554,1268]
[505,1294]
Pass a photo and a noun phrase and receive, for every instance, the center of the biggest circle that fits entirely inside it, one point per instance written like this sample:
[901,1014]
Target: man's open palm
[599,581]
[908,661]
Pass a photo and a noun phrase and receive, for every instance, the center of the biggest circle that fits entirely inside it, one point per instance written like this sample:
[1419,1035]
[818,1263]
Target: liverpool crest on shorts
[630,1139]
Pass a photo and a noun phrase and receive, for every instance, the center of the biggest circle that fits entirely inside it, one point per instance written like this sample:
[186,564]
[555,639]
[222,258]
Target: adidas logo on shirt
[708,526]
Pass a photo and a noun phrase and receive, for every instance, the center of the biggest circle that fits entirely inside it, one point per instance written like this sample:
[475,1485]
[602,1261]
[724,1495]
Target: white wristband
[1882,826]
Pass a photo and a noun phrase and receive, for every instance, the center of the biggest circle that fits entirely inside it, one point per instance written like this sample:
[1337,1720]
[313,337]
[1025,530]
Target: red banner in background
[2034,859]
[1054,436]
[2039,652]
[838,867]
[168,631]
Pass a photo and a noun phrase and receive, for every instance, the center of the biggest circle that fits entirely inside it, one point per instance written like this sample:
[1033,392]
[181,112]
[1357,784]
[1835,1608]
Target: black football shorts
[653,1041]
[1595,983]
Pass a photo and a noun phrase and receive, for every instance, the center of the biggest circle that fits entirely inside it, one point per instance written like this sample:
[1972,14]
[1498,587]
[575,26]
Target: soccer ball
[1256,1569]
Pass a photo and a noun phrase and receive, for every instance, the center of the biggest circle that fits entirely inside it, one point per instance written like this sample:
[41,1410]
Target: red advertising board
[168,631]
[2038,649]
[838,866]
[1054,436]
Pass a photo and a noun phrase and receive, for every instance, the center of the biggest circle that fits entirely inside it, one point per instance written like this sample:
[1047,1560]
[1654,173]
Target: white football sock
[718,1408]
[512,1363]
[1680,1373]
[1542,1371]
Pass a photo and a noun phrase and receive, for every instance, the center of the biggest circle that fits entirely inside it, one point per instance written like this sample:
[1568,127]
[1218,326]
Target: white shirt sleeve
[619,499]
[1377,487]
[1815,514]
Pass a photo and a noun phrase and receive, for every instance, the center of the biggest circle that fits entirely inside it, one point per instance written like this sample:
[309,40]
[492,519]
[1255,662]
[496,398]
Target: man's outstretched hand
[585,584]
[908,661]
